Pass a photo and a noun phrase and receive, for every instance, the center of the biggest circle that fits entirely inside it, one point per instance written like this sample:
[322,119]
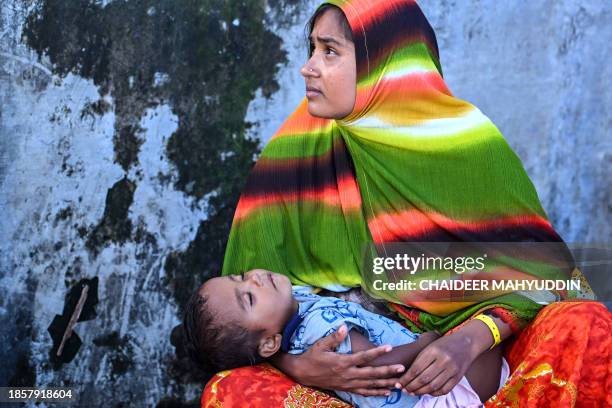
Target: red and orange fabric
[263,386]
[562,359]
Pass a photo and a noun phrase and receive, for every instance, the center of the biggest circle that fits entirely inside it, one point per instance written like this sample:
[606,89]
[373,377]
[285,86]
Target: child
[236,320]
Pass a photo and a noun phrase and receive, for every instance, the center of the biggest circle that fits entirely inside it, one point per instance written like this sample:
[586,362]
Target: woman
[398,158]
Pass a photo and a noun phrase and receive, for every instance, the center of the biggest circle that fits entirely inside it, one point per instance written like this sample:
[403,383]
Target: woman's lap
[562,359]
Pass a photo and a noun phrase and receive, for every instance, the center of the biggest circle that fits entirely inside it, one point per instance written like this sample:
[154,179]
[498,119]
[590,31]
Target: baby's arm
[404,354]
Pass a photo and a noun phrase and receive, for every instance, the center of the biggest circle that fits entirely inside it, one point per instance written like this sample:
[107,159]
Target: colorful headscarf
[411,162]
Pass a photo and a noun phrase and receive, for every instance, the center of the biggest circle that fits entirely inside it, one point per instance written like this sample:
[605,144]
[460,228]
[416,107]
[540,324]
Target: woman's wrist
[477,337]
[492,326]
[285,363]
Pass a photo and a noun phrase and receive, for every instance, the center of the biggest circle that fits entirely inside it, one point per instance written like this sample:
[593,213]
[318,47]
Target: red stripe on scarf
[329,195]
[414,225]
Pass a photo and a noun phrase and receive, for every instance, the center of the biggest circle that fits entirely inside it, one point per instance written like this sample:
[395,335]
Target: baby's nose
[256,278]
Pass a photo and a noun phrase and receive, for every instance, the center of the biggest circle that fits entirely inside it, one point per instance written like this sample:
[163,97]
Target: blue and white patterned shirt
[319,316]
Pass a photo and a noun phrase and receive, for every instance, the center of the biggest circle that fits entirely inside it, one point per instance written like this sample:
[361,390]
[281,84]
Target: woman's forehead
[382,30]
[328,23]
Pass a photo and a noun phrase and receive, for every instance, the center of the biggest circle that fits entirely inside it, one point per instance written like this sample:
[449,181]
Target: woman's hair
[341,18]
[215,345]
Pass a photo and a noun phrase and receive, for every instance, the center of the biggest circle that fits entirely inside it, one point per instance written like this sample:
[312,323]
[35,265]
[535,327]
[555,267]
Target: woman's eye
[250,299]
[327,50]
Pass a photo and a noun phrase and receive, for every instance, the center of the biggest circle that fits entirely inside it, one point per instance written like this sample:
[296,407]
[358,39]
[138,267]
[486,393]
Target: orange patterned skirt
[562,359]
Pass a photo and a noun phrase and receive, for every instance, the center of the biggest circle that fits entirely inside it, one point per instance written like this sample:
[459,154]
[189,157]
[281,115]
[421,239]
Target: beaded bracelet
[492,326]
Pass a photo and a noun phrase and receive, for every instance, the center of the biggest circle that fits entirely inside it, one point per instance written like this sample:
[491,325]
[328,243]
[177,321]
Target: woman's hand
[321,367]
[440,366]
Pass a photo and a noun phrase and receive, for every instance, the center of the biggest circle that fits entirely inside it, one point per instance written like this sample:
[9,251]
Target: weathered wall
[123,149]
[123,155]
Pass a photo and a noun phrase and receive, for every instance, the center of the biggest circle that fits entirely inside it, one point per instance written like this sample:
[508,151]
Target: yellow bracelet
[492,326]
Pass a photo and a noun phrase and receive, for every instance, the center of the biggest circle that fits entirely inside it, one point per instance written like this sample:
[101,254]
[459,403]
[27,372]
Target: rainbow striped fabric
[410,163]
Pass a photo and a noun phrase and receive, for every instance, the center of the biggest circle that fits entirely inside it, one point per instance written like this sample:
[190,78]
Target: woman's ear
[269,345]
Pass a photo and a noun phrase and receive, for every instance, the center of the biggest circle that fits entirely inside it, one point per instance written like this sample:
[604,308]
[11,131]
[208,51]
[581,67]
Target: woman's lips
[312,94]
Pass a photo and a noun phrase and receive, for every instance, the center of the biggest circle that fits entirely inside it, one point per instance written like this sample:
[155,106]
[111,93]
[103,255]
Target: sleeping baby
[237,320]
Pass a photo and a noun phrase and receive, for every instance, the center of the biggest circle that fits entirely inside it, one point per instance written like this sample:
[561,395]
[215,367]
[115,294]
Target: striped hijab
[410,163]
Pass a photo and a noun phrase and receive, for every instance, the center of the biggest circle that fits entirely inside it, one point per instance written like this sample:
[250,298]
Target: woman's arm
[321,367]
[440,366]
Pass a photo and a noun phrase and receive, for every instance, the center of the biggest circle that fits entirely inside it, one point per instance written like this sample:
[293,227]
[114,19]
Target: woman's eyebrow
[326,40]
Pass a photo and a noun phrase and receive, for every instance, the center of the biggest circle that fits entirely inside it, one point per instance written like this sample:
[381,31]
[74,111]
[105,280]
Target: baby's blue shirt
[319,316]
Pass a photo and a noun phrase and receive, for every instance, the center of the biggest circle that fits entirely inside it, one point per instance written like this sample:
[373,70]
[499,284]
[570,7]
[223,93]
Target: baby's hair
[344,24]
[215,345]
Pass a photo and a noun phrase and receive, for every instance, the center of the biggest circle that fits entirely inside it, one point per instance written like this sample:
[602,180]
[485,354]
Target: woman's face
[331,72]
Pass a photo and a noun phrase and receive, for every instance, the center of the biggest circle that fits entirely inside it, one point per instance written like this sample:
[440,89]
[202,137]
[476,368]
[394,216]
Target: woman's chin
[325,113]
[317,112]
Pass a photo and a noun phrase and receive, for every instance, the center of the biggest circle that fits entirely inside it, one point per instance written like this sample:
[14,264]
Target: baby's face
[257,299]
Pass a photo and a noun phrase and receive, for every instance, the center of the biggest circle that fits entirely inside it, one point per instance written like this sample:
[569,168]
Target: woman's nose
[308,70]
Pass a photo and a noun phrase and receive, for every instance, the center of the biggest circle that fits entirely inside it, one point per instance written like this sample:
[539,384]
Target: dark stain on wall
[205,59]
[120,352]
[115,224]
